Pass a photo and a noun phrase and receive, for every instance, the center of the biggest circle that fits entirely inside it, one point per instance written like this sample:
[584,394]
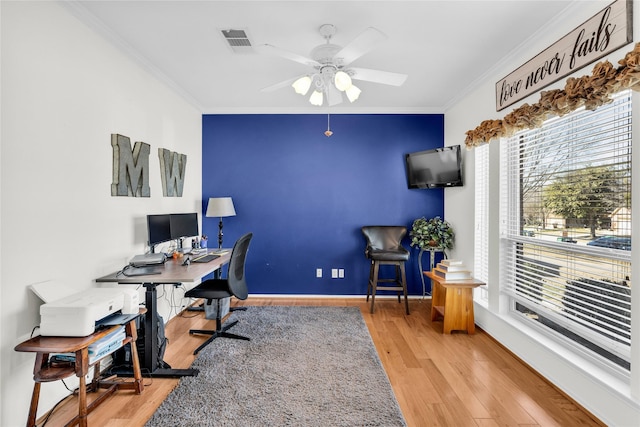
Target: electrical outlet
[341,273]
[334,273]
[318,272]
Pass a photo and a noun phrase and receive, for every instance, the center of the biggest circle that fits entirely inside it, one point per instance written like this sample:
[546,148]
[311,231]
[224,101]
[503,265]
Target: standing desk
[172,273]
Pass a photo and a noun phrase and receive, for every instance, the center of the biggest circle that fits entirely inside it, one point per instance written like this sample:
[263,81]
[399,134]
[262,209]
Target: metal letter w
[172,170]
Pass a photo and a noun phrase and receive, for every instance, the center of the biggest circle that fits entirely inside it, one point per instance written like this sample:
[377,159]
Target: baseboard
[310,296]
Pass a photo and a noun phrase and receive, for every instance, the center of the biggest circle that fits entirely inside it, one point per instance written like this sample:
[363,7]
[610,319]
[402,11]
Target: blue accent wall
[305,196]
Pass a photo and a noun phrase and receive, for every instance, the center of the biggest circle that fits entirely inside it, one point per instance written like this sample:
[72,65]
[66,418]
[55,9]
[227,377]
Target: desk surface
[173,271]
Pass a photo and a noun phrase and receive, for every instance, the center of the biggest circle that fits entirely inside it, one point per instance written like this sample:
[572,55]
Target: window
[566,228]
[481,232]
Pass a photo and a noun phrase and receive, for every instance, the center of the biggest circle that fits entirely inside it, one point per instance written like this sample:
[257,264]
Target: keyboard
[205,258]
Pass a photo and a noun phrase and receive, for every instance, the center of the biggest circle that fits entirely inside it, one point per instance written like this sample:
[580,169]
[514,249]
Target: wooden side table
[453,300]
[44,371]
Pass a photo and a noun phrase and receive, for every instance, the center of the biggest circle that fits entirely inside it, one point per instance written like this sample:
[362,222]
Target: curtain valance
[588,91]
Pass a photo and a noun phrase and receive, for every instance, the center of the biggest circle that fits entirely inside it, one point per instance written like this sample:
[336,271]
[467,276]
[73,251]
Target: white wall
[65,90]
[608,398]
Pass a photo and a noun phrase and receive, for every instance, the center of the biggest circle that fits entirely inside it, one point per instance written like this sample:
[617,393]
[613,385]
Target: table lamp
[220,207]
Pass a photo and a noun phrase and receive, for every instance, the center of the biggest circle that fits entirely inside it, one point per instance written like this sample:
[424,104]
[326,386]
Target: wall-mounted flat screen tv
[436,168]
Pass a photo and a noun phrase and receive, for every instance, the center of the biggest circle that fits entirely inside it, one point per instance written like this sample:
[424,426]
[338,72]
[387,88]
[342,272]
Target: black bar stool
[384,247]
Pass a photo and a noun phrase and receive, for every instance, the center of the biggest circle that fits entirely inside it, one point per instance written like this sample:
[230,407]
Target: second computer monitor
[184,225]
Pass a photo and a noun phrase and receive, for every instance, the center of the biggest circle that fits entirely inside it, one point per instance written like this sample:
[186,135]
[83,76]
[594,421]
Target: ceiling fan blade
[363,43]
[273,50]
[377,76]
[334,96]
[280,85]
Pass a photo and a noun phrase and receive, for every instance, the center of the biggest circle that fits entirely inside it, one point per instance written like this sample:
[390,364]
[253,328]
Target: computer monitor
[159,229]
[184,225]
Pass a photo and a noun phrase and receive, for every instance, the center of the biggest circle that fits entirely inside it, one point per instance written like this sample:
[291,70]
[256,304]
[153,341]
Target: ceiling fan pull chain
[328,132]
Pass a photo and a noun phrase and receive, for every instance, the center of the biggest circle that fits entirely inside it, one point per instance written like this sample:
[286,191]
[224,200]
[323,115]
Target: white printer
[76,315]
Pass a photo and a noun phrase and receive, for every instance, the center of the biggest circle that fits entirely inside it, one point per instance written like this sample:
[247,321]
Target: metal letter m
[130,168]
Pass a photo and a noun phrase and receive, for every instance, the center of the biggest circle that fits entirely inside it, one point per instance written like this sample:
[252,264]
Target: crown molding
[90,20]
[575,8]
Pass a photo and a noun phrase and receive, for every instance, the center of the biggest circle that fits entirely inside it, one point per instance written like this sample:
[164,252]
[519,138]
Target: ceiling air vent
[238,40]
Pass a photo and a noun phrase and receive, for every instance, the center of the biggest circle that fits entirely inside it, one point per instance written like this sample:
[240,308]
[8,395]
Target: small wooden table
[453,300]
[44,371]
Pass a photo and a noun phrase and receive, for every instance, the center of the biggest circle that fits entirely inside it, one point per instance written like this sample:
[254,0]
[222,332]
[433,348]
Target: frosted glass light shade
[220,207]
[342,81]
[316,98]
[302,85]
[353,93]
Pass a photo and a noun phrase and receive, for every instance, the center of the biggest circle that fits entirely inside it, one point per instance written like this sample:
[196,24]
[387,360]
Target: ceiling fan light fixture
[332,72]
[342,81]
[316,98]
[353,93]
[302,85]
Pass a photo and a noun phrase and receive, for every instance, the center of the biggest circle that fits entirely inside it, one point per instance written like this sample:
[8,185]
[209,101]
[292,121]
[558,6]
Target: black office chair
[219,289]
[384,247]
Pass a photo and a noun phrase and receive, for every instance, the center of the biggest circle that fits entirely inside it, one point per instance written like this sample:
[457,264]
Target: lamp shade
[220,207]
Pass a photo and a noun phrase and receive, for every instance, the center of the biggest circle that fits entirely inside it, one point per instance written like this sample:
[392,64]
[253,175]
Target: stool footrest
[389,288]
[389,281]
[397,284]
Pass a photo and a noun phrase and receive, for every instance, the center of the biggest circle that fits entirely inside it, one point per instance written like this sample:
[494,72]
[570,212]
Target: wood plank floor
[439,380]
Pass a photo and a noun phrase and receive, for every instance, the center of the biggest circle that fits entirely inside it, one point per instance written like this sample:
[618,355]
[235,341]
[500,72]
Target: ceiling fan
[331,73]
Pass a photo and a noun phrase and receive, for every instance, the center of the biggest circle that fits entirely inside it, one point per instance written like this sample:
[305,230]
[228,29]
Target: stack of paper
[450,269]
[106,345]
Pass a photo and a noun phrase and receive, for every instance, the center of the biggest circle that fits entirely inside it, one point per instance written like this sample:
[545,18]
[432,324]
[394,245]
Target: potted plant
[431,233]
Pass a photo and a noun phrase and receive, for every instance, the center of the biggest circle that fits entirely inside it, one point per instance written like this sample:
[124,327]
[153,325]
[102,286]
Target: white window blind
[481,233]
[566,227]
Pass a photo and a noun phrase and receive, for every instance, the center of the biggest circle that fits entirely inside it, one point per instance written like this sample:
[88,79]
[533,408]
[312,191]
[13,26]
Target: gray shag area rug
[304,366]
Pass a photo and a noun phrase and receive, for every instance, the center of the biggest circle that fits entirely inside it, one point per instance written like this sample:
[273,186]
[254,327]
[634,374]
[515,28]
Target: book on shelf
[64,357]
[452,275]
[449,262]
[453,267]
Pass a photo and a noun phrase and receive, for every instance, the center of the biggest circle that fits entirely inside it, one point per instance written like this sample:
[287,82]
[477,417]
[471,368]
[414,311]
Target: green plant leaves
[424,231]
